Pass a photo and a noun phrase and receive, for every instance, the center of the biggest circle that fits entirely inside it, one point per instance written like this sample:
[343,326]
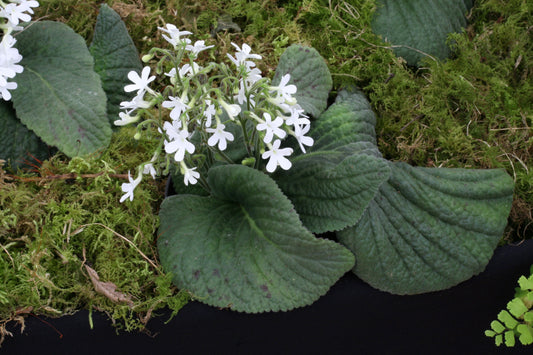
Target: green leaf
[528,317]
[517,307]
[330,190]
[525,283]
[309,73]
[244,246]
[526,334]
[497,326]
[418,28]
[59,96]
[490,333]
[498,340]
[115,56]
[509,338]
[331,186]
[17,143]
[428,229]
[349,120]
[507,319]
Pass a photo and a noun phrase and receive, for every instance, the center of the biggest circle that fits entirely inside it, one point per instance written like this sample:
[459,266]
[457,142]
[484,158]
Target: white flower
[209,112]
[241,95]
[197,47]
[9,57]
[284,92]
[277,157]
[28,4]
[297,116]
[180,145]
[136,102]
[220,136]
[253,76]
[15,13]
[140,83]
[125,119]
[178,106]
[4,93]
[299,133]
[149,169]
[232,109]
[172,129]
[175,35]
[129,187]
[190,176]
[271,127]
[242,56]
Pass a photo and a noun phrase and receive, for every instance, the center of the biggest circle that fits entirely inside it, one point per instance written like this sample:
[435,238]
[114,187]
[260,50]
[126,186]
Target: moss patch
[65,217]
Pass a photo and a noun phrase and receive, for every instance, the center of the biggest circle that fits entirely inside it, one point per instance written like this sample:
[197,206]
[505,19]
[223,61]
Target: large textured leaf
[244,247]
[115,56]
[309,73]
[59,96]
[331,186]
[17,143]
[420,27]
[331,189]
[429,229]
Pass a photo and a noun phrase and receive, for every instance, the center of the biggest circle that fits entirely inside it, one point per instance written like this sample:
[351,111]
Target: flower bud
[137,136]
[147,57]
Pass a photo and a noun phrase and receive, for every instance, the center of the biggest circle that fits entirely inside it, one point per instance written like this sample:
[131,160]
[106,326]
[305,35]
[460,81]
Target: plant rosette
[260,165]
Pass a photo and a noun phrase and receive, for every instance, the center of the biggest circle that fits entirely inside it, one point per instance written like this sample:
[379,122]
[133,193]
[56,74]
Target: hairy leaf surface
[244,247]
[59,96]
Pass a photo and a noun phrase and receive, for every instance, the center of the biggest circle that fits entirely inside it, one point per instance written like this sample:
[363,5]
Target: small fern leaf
[526,334]
[509,338]
[517,307]
[497,326]
[526,284]
[507,319]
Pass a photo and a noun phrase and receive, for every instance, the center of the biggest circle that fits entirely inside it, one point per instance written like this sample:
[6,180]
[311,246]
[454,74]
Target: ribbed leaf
[309,73]
[115,56]
[420,27]
[331,186]
[59,96]
[331,189]
[428,229]
[244,247]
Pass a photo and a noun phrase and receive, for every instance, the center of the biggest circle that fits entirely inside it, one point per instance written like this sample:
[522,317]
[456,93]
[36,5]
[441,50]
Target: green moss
[55,224]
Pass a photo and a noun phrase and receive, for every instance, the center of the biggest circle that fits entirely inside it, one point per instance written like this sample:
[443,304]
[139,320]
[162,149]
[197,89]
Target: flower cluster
[203,110]
[12,13]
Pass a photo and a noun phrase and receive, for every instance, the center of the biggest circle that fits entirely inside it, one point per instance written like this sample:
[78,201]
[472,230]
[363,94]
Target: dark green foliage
[114,56]
[19,144]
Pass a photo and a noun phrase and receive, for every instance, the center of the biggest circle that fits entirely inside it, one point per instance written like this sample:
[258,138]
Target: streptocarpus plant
[245,241]
[221,127]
